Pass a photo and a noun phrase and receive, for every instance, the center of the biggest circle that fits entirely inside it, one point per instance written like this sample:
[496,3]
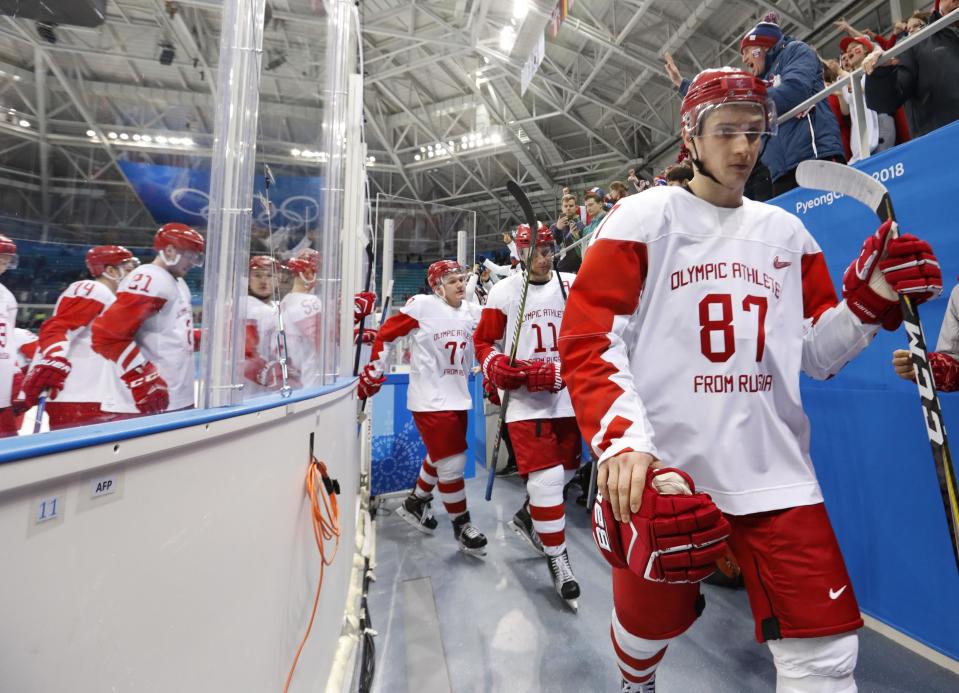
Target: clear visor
[453,277]
[195,259]
[10,260]
[732,118]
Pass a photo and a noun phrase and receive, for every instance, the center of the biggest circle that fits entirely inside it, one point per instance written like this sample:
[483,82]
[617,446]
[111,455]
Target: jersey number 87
[709,325]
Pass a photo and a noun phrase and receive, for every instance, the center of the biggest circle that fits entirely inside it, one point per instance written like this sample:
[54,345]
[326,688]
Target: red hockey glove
[543,376]
[911,268]
[491,392]
[497,370]
[370,384]
[678,535]
[149,390]
[369,335]
[363,303]
[49,373]
[269,374]
[18,399]
[904,264]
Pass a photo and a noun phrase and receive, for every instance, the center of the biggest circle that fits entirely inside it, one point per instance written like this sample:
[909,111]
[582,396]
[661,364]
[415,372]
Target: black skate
[563,579]
[471,541]
[417,512]
[645,687]
[522,524]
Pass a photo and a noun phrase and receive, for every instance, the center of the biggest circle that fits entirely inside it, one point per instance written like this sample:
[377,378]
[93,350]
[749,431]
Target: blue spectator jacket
[796,74]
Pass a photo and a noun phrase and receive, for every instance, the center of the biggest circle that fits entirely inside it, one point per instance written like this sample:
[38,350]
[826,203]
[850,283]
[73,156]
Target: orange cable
[325,516]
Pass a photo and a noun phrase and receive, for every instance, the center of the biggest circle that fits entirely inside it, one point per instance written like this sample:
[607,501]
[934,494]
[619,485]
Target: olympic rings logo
[296,210]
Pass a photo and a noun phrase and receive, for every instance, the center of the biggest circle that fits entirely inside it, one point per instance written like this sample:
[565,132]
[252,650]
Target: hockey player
[11,377]
[539,415]
[440,327]
[302,311]
[692,316]
[148,330]
[261,368]
[67,367]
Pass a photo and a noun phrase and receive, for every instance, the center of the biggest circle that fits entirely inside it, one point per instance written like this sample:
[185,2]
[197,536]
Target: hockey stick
[41,404]
[523,201]
[369,278]
[826,175]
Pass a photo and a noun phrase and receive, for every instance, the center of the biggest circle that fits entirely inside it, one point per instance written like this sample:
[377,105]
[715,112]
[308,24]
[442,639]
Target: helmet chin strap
[169,263]
[694,156]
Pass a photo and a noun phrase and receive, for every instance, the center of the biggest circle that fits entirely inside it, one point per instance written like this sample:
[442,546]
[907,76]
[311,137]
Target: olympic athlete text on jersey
[692,316]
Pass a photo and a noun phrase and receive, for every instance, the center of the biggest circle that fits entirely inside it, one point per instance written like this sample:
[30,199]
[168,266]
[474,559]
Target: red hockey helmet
[102,256]
[180,236]
[8,247]
[307,260]
[544,237]
[264,262]
[439,269]
[718,87]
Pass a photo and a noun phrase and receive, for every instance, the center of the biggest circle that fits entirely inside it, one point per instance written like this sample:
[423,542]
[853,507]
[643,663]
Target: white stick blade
[828,175]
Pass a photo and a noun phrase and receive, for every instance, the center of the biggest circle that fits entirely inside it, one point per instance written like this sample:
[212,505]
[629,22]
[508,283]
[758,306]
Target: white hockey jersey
[538,339]
[67,333]
[261,328]
[302,320]
[685,335]
[441,346]
[8,344]
[152,316]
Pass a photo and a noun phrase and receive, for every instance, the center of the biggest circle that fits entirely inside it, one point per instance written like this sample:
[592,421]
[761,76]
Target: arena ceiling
[446,116]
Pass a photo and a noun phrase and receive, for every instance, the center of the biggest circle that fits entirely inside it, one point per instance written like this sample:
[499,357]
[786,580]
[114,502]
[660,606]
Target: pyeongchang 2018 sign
[174,193]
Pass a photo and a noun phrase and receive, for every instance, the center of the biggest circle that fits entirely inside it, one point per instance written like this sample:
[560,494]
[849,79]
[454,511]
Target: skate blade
[475,553]
[411,519]
[522,535]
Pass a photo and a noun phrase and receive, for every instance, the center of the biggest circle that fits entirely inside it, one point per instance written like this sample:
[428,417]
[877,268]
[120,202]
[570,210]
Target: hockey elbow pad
[677,536]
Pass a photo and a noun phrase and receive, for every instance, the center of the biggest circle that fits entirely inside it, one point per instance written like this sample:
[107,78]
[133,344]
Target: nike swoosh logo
[780,264]
[835,595]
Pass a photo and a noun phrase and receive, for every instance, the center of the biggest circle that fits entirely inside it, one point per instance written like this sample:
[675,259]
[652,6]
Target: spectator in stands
[617,191]
[637,183]
[567,230]
[595,211]
[680,175]
[831,72]
[922,79]
[854,51]
[899,30]
[794,70]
